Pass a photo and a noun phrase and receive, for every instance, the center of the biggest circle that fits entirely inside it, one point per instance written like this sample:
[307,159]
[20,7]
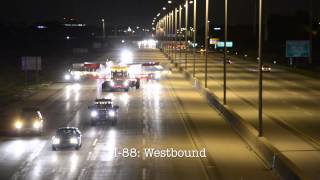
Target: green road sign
[297,49]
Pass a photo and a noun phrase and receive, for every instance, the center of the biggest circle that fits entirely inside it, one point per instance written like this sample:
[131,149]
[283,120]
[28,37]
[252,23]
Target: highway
[290,110]
[162,114]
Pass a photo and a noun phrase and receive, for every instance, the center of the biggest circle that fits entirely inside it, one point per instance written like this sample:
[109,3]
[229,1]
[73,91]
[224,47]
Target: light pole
[225,52]
[206,44]
[175,33]
[180,32]
[103,29]
[310,33]
[194,35]
[186,36]
[260,72]
[169,38]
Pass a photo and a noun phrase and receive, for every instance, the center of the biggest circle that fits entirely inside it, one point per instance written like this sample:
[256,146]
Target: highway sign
[229,44]
[31,63]
[297,49]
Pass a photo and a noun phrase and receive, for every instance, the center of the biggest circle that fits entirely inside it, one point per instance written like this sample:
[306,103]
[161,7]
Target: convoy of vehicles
[120,78]
[67,137]
[115,77]
[29,121]
[103,110]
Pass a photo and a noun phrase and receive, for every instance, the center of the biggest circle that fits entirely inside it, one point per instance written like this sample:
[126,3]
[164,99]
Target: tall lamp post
[103,29]
[206,44]
[225,52]
[194,35]
[175,33]
[180,32]
[260,72]
[186,35]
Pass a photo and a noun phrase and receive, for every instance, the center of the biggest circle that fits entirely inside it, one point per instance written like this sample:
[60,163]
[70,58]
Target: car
[72,77]
[103,110]
[229,61]
[266,68]
[30,121]
[67,137]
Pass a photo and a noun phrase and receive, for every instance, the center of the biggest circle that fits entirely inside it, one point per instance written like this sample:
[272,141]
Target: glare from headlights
[67,77]
[157,75]
[112,113]
[73,140]
[125,83]
[55,140]
[112,83]
[36,124]
[94,114]
[76,77]
[18,124]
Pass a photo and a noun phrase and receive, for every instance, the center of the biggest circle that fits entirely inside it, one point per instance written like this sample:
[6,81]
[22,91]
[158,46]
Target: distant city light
[41,27]
[164,8]
[169,2]
[68,37]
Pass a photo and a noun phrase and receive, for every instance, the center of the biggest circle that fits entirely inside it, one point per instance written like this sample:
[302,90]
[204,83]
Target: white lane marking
[95,142]
[89,156]
[81,174]
[144,173]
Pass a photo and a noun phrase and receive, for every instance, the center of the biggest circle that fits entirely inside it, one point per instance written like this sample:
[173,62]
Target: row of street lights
[170,25]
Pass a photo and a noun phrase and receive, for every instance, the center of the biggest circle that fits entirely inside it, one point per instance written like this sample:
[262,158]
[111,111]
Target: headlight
[73,140]
[157,75]
[36,124]
[112,83]
[76,77]
[125,83]
[18,124]
[55,140]
[67,77]
[112,113]
[94,114]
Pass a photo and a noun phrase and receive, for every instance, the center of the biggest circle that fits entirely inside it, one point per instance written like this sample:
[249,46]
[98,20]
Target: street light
[175,33]
[225,52]
[180,32]
[260,72]
[194,35]
[103,29]
[186,35]
[206,44]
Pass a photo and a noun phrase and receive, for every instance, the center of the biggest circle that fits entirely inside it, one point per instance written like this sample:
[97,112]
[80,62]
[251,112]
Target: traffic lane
[228,152]
[66,163]
[284,99]
[10,112]
[222,142]
[290,143]
[19,151]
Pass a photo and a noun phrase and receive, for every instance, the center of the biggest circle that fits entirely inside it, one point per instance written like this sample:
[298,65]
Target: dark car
[103,110]
[67,137]
[29,121]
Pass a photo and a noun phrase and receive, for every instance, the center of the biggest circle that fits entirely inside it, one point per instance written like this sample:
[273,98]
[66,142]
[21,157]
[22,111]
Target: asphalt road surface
[162,114]
[291,104]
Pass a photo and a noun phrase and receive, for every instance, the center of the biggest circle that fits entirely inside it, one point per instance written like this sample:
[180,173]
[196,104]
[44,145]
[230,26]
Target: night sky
[134,12]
